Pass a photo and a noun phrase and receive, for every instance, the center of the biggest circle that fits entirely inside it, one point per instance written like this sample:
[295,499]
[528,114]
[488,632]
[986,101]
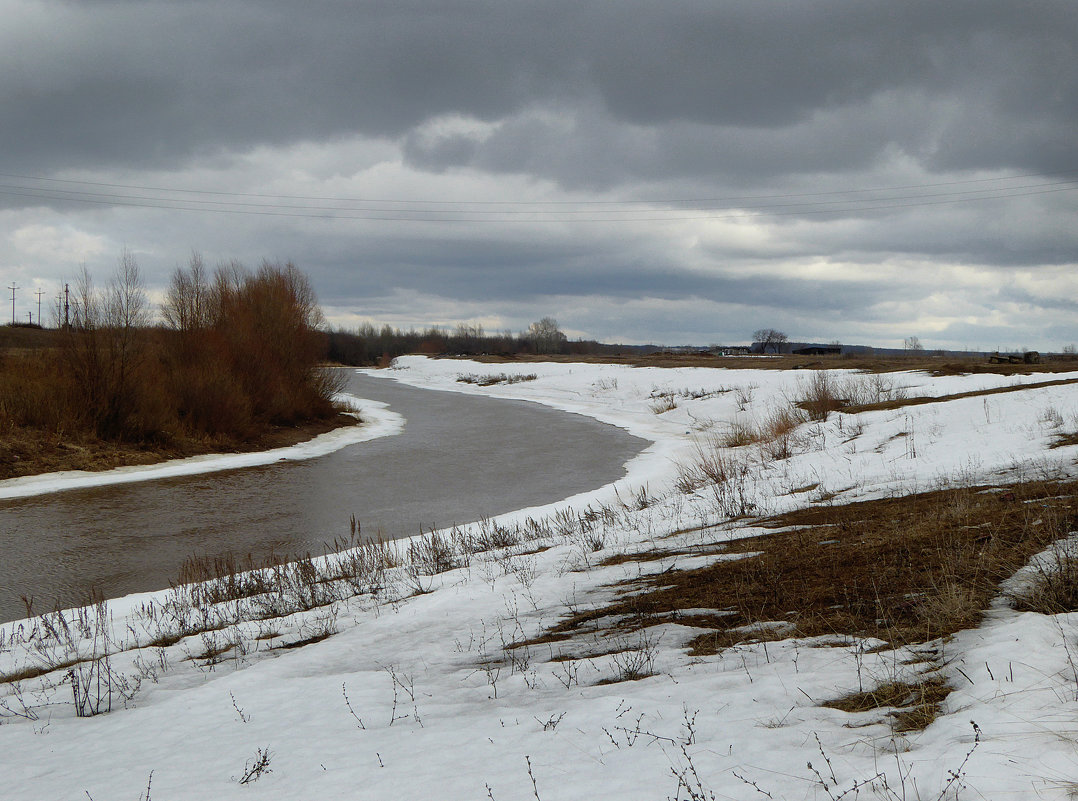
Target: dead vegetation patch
[35,671]
[1063,440]
[936,365]
[662,554]
[914,704]
[920,400]
[311,640]
[903,570]
[26,451]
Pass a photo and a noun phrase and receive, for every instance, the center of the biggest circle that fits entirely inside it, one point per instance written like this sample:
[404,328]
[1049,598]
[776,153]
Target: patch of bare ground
[903,570]
[27,451]
[936,365]
[916,703]
[1063,440]
[898,403]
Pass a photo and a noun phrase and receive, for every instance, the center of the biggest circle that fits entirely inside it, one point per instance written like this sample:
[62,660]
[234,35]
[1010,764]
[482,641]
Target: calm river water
[459,459]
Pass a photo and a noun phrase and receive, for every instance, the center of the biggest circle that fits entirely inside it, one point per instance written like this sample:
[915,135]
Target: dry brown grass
[916,703]
[937,365]
[824,394]
[29,451]
[1063,440]
[778,424]
[1050,582]
[904,570]
[920,400]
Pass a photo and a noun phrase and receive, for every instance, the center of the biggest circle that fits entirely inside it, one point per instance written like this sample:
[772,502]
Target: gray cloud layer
[572,101]
[961,84]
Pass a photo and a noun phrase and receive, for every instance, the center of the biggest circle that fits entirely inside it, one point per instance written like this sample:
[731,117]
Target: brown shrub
[243,355]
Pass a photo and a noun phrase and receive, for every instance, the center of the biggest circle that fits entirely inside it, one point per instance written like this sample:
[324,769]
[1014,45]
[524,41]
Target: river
[459,459]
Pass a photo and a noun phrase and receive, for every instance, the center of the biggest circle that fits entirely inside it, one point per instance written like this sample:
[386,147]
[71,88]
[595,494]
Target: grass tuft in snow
[915,704]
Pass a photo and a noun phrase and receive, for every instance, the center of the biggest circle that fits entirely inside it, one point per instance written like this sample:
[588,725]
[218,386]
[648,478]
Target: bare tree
[546,336]
[80,344]
[913,344]
[770,339]
[187,306]
[104,345]
[126,311]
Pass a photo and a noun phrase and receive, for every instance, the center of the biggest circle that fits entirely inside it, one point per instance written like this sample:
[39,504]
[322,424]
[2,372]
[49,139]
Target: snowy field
[412,682]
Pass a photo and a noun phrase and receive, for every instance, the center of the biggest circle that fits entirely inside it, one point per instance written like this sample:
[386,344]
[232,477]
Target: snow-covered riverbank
[377,422]
[422,689]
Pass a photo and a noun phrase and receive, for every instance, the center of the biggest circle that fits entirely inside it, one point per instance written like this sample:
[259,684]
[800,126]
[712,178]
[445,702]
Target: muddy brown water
[460,458]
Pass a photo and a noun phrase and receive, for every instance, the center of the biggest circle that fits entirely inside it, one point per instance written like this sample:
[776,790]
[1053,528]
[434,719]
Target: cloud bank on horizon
[681,173]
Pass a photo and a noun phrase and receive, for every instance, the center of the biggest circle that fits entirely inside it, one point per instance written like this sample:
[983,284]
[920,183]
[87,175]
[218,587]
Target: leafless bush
[433,554]
[743,395]
[690,783]
[403,693]
[568,673]
[726,477]
[636,658]
[778,431]
[85,642]
[663,402]
[20,702]
[492,535]
[256,767]
[825,393]
[738,434]
[551,723]
[821,396]
[700,394]
[773,433]
[494,378]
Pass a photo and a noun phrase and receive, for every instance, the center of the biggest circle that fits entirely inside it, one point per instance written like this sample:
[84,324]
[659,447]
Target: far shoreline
[98,456]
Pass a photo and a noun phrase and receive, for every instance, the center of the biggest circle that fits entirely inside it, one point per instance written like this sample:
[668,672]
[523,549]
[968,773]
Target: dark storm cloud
[499,273]
[156,83]
[780,114]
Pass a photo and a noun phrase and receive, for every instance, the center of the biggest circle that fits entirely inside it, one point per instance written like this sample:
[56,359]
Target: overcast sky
[673,172]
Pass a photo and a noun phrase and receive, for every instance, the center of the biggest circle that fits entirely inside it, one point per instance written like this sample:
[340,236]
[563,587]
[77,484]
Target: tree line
[240,351]
[373,345]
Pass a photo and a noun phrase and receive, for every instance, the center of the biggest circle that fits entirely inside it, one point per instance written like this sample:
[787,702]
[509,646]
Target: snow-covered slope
[412,693]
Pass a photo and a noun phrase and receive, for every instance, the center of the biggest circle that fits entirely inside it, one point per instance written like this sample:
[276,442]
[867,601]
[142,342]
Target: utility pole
[13,287]
[39,293]
[67,306]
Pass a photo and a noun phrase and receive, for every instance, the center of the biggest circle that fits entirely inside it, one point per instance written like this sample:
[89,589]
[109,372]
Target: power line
[87,196]
[671,216]
[638,201]
[618,213]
